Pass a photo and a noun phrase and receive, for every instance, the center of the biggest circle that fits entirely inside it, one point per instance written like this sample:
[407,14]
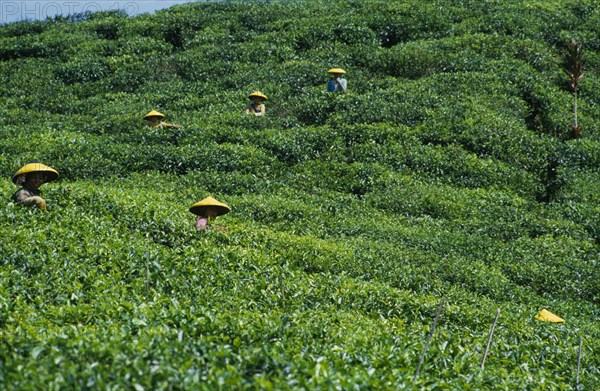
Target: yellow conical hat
[154,113]
[336,70]
[258,94]
[199,207]
[35,166]
[548,316]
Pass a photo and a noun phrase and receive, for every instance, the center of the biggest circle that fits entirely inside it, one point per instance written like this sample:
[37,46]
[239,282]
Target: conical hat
[336,70]
[548,316]
[34,166]
[199,207]
[154,113]
[258,94]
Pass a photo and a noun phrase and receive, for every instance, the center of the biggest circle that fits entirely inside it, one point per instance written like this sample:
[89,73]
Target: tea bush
[444,172]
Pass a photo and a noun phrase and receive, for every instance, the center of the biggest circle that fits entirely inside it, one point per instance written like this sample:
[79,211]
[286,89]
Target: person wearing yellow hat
[257,105]
[32,176]
[337,83]
[207,210]
[154,120]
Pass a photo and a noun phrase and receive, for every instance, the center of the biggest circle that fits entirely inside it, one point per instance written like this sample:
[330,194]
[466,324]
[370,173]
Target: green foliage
[445,170]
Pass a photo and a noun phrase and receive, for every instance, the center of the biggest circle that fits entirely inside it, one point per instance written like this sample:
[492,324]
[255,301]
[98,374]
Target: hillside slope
[446,172]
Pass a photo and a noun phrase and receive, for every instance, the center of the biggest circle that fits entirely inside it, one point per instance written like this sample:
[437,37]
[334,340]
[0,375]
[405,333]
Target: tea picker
[32,176]
[154,120]
[257,106]
[207,210]
[337,83]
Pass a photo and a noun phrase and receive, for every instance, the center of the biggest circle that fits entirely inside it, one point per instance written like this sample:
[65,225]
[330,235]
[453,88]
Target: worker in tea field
[154,120]
[207,210]
[257,106]
[337,83]
[31,176]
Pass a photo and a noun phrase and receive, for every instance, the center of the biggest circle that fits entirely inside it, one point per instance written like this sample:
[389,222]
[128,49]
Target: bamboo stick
[437,316]
[578,363]
[489,342]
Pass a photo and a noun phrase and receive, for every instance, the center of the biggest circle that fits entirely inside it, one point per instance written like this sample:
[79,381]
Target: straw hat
[336,70]
[154,113]
[258,94]
[547,316]
[34,166]
[199,207]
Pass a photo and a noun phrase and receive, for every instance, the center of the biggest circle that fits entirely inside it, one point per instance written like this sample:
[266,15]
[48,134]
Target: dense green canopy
[447,170]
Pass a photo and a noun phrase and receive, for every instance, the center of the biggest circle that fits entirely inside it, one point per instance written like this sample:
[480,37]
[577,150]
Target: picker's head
[209,207]
[34,173]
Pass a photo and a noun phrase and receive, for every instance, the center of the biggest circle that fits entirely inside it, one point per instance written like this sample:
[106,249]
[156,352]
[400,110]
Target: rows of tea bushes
[446,172]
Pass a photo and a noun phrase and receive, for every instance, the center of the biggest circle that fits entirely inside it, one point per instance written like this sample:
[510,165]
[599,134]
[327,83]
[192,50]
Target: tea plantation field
[446,173]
